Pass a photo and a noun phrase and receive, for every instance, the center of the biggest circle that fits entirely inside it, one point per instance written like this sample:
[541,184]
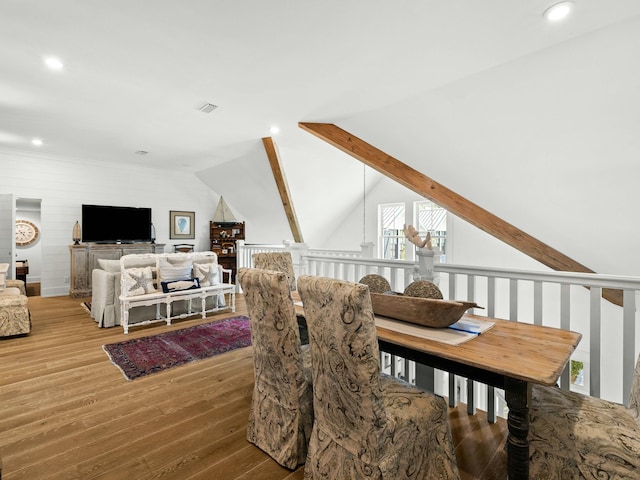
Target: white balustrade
[556,299]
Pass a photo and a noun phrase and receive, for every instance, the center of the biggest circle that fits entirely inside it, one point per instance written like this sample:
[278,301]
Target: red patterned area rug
[141,356]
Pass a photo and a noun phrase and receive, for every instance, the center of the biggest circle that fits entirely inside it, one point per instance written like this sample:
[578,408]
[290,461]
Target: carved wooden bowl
[429,312]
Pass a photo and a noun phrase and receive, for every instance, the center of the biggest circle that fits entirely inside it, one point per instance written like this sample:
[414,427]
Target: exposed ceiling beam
[283,188]
[456,204]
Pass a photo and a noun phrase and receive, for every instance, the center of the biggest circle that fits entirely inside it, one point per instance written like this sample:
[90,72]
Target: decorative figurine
[412,235]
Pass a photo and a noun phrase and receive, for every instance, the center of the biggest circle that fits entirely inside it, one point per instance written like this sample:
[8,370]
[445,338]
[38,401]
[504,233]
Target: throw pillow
[111,266]
[169,271]
[179,285]
[138,281]
[207,273]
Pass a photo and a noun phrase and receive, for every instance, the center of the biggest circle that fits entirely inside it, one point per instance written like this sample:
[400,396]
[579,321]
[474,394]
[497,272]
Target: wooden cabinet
[85,256]
[223,242]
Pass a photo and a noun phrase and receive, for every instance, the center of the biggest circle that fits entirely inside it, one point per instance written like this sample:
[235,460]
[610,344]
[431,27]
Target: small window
[432,218]
[392,220]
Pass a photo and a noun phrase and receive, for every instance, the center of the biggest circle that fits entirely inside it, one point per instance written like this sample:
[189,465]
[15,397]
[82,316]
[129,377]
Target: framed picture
[182,224]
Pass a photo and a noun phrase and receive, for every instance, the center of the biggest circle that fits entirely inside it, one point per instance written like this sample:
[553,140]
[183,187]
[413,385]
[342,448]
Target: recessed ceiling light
[37,142]
[274,130]
[558,11]
[54,63]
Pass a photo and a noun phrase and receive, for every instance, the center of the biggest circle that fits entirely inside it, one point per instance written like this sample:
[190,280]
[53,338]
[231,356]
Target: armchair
[14,312]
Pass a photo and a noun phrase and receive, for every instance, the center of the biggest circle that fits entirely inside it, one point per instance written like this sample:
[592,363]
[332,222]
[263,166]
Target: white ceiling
[136,70]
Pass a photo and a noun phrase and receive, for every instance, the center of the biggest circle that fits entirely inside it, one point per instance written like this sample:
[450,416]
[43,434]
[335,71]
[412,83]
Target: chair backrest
[278,261]
[348,400]
[274,329]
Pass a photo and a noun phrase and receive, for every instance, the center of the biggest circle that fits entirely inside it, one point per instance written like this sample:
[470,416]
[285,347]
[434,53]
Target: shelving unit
[223,236]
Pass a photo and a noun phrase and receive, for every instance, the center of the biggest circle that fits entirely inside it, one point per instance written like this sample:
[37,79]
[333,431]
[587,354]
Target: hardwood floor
[67,412]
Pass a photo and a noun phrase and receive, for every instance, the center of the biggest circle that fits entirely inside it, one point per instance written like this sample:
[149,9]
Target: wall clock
[26,232]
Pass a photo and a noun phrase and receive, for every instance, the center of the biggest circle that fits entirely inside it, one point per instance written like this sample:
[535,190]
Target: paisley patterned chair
[278,261]
[281,415]
[367,426]
[14,313]
[282,262]
[574,436]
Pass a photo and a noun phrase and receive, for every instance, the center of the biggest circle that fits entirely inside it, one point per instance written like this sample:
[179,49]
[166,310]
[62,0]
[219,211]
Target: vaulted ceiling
[136,71]
[488,89]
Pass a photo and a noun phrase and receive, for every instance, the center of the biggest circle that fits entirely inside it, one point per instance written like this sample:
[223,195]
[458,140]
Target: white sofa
[107,287]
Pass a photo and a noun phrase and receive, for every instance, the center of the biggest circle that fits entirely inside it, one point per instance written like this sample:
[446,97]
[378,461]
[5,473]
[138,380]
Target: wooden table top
[522,351]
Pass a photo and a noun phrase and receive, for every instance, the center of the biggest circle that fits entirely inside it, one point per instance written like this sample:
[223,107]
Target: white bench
[131,266]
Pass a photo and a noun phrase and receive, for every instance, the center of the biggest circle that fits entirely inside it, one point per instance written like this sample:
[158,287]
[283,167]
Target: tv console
[85,256]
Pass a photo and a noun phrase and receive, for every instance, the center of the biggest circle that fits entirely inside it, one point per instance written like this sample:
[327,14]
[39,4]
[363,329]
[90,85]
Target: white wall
[361,223]
[65,184]
[325,185]
[547,142]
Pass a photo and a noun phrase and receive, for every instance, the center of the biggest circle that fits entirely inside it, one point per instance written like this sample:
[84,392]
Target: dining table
[510,355]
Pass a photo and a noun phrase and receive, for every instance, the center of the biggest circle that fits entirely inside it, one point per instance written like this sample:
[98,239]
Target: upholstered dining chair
[367,425]
[278,261]
[282,262]
[281,413]
[580,437]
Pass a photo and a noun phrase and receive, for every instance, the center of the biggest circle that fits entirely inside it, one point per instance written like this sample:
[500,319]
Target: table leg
[518,424]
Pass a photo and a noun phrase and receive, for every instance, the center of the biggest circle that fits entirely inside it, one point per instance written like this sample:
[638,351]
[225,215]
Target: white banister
[397,272]
[556,299]
[570,306]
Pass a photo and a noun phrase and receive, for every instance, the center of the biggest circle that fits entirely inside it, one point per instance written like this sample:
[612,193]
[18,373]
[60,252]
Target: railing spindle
[513,299]
[565,323]
[352,265]
[595,332]
[628,346]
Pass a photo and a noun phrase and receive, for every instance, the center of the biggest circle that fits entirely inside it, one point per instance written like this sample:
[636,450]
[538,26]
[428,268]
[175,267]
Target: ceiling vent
[207,107]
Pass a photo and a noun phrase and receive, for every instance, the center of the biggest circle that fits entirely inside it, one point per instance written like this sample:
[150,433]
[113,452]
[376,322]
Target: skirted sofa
[14,309]
[107,286]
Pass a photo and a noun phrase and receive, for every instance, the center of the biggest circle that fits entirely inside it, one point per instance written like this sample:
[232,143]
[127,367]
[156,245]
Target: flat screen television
[109,224]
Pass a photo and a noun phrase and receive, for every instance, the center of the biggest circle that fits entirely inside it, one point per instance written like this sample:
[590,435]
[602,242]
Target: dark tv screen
[109,224]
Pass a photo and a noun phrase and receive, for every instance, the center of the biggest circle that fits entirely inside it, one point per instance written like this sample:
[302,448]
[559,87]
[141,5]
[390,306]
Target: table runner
[444,335]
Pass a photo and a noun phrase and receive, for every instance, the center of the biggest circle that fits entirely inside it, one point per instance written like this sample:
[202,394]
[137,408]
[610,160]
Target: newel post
[367,249]
[298,256]
[426,259]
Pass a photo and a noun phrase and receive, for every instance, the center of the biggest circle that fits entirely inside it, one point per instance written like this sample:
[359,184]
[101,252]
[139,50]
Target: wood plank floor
[67,413]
